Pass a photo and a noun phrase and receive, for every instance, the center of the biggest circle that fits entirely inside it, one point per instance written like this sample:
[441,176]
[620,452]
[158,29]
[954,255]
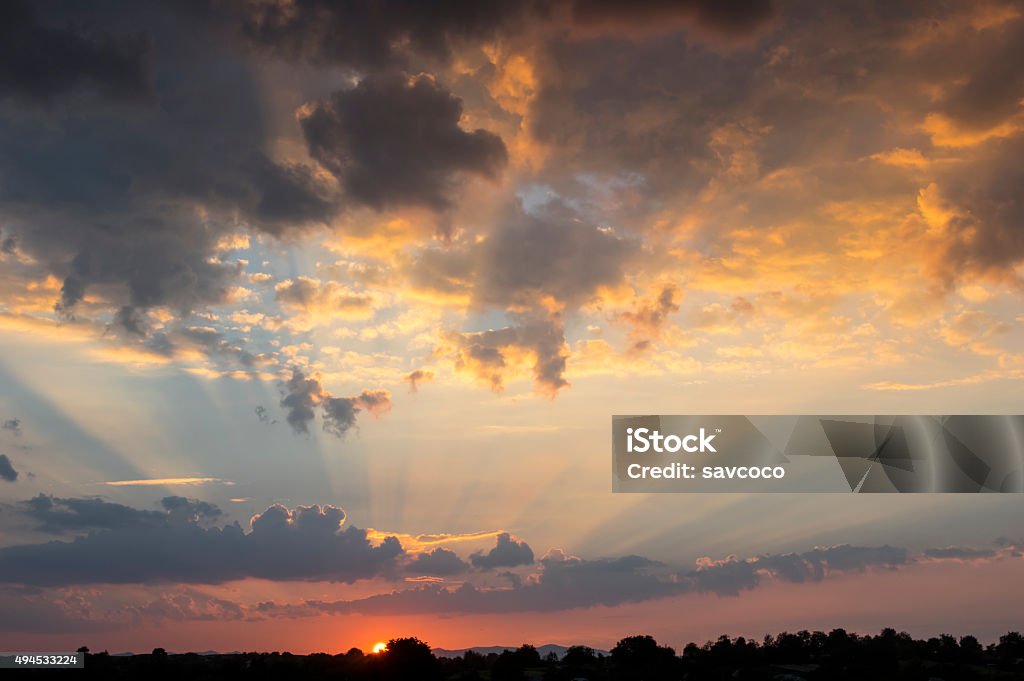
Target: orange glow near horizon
[379,647]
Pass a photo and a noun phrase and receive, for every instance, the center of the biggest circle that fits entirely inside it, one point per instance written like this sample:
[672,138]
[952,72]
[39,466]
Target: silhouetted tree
[640,658]
[409,658]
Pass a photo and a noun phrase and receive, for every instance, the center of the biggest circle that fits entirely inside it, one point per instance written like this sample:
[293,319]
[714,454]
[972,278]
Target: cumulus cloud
[439,562]
[7,471]
[507,553]
[492,355]
[366,138]
[179,545]
[303,395]
[323,299]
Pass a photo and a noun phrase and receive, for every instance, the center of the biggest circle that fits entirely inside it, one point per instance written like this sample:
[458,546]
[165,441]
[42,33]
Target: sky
[314,315]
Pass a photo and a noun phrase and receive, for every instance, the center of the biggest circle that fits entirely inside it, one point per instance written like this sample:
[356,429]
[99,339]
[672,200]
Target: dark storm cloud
[394,141]
[7,471]
[306,543]
[40,60]
[507,552]
[303,395]
[440,562]
[368,34]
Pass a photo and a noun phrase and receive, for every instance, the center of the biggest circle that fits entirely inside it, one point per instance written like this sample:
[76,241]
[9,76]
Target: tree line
[784,657]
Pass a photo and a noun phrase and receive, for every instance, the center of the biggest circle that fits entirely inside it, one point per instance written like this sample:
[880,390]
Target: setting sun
[380,647]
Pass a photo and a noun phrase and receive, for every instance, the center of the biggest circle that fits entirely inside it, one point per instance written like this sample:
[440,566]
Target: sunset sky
[314,315]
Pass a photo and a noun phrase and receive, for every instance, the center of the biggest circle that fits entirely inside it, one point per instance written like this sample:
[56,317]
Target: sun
[380,647]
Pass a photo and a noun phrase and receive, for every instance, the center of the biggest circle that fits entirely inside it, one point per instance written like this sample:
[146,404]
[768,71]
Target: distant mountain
[487,650]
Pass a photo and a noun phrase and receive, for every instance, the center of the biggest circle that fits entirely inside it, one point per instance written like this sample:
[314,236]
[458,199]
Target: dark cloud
[484,353]
[982,233]
[550,251]
[13,425]
[7,471]
[440,562]
[566,582]
[263,415]
[208,341]
[303,395]
[40,61]
[989,89]
[393,141]
[57,515]
[418,376]
[507,552]
[729,18]
[132,546]
[368,34]
[132,196]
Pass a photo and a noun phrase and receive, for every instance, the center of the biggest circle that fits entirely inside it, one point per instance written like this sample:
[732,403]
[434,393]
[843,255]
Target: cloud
[395,141]
[551,252]
[132,196]
[128,546]
[13,425]
[162,482]
[492,356]
[507,552]
[57,515]
[974,217]
[7,471]
[648,317]
[40,62]
[323,300]
[440,562]
[960,553]
[566,582]
[303,395]
[418,376]
[366,35]
[721,18]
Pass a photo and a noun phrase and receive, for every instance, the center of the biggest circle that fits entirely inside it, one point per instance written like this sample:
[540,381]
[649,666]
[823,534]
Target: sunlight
[380,647]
